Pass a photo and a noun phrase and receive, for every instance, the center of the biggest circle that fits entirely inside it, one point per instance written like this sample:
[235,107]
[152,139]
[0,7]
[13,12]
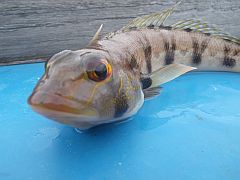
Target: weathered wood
[32,29]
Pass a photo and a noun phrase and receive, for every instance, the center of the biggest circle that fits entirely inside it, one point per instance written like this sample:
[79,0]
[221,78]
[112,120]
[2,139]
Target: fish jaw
[82,119]
[63,110]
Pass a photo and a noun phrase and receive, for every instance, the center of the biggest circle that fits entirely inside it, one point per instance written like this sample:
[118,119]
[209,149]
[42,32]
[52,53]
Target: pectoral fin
[151,92]
[165,74]
[168,73]
[151,83]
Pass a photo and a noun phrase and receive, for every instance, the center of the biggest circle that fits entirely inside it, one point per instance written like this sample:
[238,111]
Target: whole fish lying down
[109,79]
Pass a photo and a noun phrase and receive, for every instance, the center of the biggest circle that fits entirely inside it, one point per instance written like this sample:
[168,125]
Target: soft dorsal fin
[203,27]
[155,19]
[96,37]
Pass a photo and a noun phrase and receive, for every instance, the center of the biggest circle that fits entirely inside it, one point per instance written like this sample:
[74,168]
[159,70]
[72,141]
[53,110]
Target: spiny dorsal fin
[203,27]
[155,19]
[96,37]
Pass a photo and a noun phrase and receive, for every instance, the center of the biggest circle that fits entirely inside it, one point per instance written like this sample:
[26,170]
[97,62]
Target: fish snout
[52,104]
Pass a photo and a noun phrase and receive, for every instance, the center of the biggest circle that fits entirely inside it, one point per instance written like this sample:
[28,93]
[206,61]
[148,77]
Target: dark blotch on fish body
[170,51]
[133,62]
[196,57]
[228,61]
[151,26]
[148,57]
[121,105]
[188,29]
[198,50]
[165,27]
[146,82]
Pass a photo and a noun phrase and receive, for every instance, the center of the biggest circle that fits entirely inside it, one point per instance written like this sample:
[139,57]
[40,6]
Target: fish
[109,80]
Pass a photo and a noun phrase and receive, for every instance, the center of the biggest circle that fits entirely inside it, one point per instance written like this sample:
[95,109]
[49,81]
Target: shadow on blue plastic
[191,131]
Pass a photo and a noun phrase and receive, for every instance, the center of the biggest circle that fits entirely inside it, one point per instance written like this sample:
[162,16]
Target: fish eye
[101,71]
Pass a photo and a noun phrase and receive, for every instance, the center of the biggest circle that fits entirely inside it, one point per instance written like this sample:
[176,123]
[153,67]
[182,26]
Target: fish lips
[63,109]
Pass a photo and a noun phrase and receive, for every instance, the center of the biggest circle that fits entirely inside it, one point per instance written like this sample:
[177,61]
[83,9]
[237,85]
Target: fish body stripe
[121,104]
[133,62]
[228,61]
[198,50]
[169,51]
[148,57]
[152,48]
[120,101]
[147,51]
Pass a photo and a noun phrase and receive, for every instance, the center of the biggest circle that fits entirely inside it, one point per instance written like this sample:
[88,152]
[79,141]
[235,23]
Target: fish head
[85,88]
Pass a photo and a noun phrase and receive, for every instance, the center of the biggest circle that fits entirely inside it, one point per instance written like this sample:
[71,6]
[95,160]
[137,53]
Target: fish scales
[205,52]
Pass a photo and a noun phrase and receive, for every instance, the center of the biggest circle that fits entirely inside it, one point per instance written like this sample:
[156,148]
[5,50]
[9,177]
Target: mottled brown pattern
[170,50]
[133,62]
[146,82]
[148,57]
[147,53]
[154,48]
[227,60]
[236,52]
[121,104]
[198,49]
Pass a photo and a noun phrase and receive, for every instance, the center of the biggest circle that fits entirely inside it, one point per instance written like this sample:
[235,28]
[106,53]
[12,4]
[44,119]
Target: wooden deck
[33,30]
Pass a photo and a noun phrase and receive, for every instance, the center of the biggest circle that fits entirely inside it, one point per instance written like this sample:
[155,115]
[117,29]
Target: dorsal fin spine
[96,37]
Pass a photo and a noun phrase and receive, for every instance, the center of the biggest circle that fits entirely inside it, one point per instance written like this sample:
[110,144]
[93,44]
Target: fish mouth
[62,109]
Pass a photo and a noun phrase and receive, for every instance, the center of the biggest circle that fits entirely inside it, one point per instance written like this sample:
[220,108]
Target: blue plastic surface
[191,131]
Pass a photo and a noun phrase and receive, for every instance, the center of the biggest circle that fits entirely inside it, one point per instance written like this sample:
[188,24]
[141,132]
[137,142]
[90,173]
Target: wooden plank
[32,29]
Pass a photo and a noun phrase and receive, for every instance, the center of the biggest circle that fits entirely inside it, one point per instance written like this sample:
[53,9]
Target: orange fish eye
[100,72]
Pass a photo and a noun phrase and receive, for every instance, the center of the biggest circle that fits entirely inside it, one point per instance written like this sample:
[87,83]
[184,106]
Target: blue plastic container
[191,131]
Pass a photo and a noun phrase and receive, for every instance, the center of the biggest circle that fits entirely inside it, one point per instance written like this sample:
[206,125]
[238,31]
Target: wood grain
[31,29]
